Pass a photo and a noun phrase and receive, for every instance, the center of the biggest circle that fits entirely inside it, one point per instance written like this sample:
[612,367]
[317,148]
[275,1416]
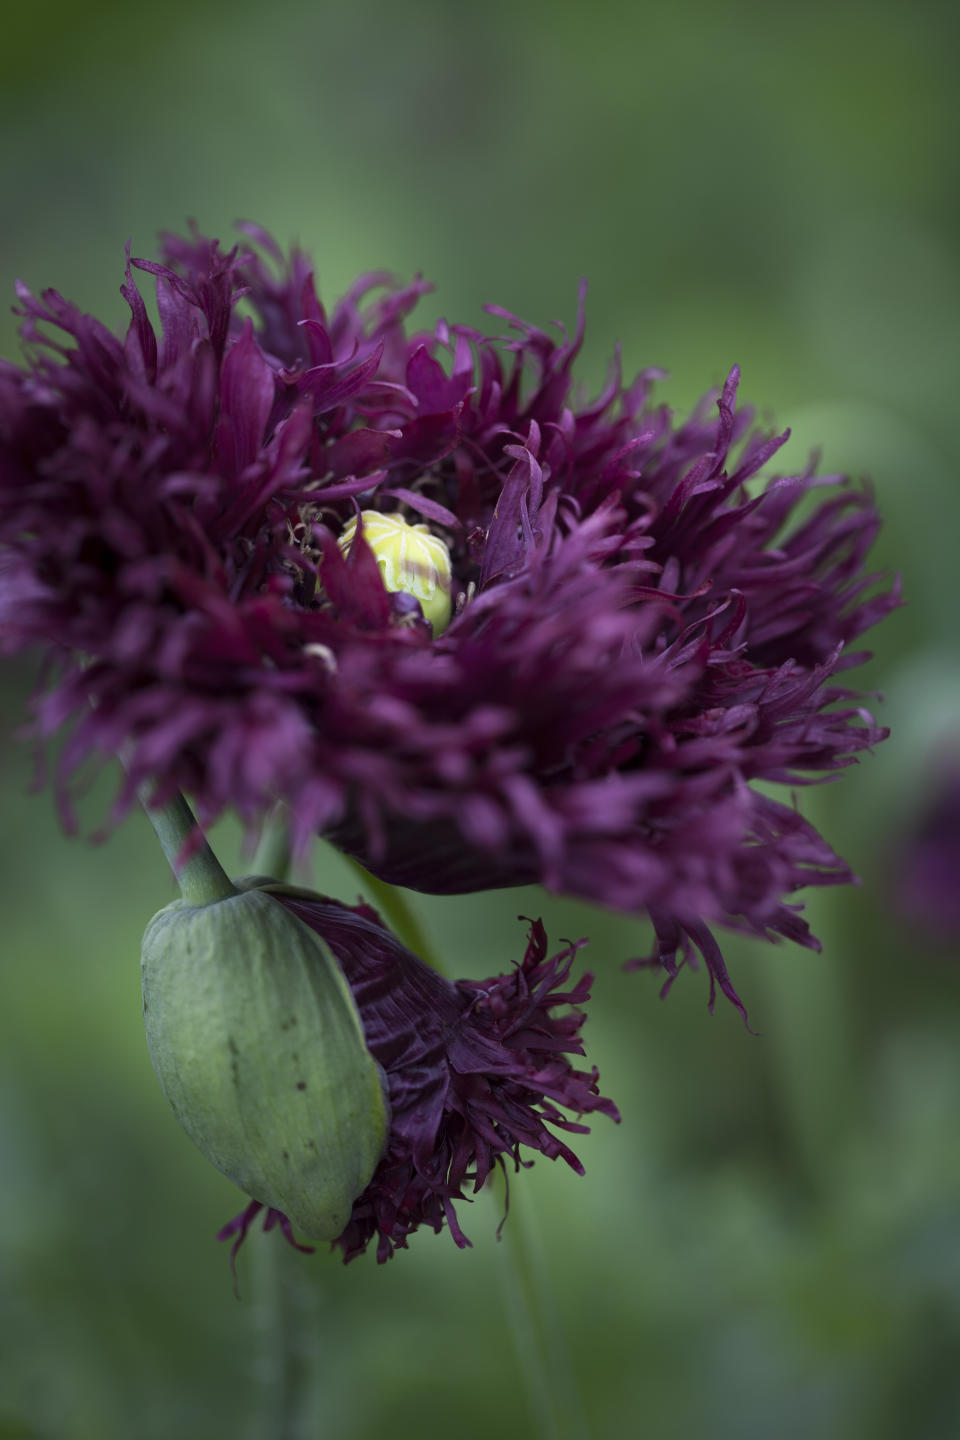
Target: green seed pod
[411,560]
[260,1051]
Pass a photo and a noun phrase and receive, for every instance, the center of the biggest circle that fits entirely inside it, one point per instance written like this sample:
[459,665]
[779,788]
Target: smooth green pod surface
[260,1051]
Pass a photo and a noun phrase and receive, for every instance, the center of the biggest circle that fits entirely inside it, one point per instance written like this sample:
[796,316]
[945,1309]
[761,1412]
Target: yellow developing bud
[411,559]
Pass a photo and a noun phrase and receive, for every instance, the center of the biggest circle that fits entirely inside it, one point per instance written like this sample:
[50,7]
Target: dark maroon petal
[247,389]
[474,1071]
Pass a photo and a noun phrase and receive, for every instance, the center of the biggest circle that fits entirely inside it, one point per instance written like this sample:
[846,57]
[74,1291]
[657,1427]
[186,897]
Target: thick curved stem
[198,872]
[282,1327]
[273,854]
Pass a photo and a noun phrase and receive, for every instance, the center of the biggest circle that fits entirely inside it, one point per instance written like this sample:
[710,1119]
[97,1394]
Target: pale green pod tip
[411,560]
[259,1049]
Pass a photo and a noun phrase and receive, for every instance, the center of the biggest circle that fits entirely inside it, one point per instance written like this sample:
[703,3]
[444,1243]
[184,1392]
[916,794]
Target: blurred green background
[769,1245]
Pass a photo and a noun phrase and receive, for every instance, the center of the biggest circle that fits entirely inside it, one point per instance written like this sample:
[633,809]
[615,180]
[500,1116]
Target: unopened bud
[260,1051]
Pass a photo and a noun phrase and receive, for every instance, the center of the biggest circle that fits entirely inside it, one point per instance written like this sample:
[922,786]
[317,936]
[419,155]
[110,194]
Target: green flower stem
[541,1360]
[526,1241]
[393,902]
[282,1319]
[200,875]
[273,854]
[811,1057]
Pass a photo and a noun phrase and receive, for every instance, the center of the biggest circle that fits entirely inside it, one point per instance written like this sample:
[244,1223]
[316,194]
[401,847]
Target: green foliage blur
[769,1244]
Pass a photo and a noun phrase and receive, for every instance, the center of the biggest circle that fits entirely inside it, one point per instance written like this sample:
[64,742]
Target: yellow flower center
[411,559]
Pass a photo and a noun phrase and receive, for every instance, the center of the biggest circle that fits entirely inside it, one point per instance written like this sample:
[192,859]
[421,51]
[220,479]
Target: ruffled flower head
[640,627]
[475,1073]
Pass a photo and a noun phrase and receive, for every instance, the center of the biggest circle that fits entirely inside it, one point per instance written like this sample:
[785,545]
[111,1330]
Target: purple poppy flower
[640,627]
[474,1072]
[926,864]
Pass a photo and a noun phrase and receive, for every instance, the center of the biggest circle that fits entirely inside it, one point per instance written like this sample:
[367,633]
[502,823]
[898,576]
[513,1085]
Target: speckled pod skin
[259,1049]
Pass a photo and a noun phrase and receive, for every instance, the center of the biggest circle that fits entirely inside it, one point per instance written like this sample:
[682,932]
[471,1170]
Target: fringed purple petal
[239,1227]
[475,1070]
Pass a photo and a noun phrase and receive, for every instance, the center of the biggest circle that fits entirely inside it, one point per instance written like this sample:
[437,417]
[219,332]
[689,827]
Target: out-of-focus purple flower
[926,878]
[641,627]
[475,1072]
